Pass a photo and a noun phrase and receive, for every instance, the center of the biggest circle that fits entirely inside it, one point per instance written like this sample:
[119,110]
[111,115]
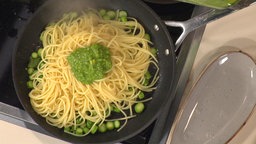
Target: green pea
[141,95]
[30,77]
[30,71]
[102,12]
[86,130]
[111,14]
[102,128]
[39,52]
[30,84]
[123,13]
[34,55]
[110,125]
[117,124]
[139,107]
[79,131]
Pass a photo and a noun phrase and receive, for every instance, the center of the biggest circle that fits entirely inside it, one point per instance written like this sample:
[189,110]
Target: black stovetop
[13,17]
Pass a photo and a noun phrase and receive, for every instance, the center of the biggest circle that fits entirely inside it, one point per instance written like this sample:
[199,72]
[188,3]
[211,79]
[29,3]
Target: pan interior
[54,9]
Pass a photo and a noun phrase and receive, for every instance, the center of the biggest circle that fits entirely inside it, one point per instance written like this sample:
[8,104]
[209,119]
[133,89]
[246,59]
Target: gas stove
[13,17]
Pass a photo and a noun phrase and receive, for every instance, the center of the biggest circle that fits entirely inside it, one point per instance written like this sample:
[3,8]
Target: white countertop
[235,32]
[13,134]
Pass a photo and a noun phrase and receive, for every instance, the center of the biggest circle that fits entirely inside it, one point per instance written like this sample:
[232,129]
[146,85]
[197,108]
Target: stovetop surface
[13,17]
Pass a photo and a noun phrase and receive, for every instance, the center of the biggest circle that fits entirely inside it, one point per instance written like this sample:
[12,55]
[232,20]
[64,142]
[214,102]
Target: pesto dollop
[90,63]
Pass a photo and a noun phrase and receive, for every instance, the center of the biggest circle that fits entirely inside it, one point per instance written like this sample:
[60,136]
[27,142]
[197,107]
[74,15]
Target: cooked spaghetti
[59,97]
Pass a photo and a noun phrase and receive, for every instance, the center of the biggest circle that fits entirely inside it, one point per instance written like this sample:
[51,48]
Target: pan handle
[201,20]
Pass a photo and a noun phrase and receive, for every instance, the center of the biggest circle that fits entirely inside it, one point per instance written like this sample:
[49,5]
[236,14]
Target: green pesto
[90,63]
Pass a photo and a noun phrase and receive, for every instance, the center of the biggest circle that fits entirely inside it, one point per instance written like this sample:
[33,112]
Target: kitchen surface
[233,33]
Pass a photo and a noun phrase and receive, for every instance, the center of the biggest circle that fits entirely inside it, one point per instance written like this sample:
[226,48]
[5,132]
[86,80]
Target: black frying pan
[54,9]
